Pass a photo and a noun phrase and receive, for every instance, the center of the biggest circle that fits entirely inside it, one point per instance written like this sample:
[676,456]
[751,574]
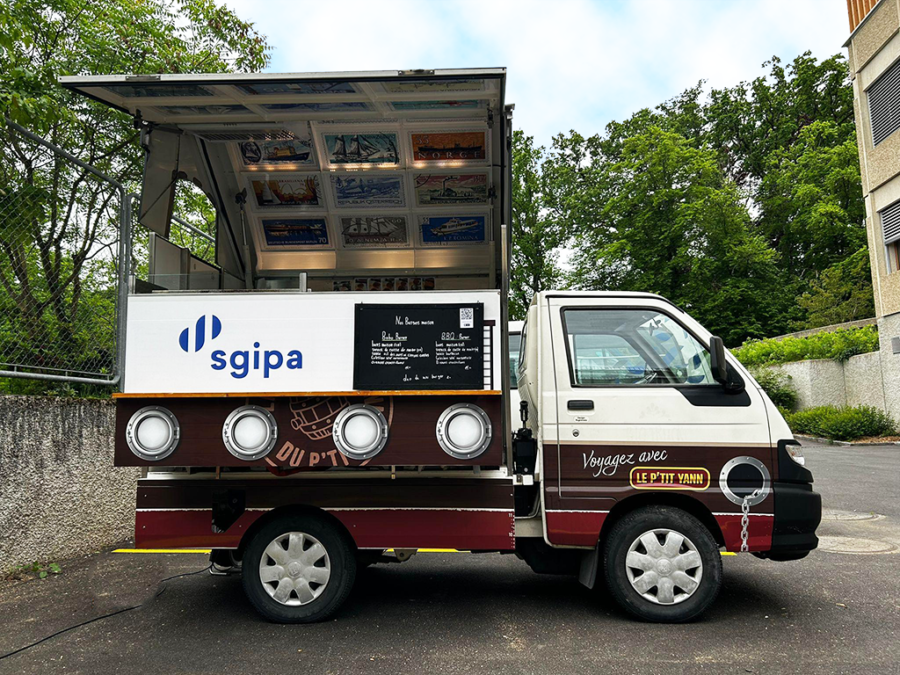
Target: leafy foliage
[842,424]
[742,206]
[778,386]
[58,224]
[839,345]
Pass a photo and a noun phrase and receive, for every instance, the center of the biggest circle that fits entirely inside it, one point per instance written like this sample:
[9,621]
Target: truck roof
[604,294]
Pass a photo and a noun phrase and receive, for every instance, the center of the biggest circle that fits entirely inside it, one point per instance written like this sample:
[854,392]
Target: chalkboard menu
[419,346]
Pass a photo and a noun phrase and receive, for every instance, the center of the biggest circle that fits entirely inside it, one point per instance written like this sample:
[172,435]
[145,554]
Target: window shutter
[884,104]
[890,223]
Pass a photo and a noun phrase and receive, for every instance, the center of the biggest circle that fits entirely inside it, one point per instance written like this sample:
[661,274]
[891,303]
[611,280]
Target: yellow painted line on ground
[162,550]
[728,553]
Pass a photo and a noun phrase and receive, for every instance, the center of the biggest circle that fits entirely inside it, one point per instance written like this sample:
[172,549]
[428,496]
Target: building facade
[874,58]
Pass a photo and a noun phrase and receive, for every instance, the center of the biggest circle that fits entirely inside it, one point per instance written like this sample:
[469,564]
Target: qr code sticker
[467,317]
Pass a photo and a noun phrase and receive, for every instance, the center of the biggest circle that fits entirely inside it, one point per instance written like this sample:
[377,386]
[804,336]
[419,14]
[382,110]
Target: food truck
[334,389]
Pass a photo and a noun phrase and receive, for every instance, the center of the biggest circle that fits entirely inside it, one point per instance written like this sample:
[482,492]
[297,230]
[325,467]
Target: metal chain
[745,520]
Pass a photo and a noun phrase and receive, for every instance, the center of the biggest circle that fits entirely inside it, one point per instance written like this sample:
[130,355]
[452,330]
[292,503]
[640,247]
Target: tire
[309,579]
[666,602]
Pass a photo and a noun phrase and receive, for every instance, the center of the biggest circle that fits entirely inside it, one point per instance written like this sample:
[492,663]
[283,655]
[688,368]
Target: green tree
[675,225]
[842,292]
[55,219]
[536,234]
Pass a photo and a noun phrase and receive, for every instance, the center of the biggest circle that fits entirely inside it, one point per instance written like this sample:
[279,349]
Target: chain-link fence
[59,263]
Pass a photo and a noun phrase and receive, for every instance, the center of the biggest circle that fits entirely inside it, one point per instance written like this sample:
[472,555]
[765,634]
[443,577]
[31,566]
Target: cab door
[638,409]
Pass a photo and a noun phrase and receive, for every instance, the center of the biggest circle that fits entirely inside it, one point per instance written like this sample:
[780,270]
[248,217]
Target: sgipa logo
[241,361]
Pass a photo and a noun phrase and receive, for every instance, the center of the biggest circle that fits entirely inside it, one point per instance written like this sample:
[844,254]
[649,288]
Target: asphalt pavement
[837,611]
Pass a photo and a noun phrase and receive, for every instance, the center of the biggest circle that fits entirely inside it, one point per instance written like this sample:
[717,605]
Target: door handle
[580,405]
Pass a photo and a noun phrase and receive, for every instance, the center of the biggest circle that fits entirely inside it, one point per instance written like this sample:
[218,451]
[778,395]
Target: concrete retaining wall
[857,381]
[60,495]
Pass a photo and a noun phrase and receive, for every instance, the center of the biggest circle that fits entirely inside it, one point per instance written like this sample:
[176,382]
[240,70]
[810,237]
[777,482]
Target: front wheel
[298,569]
[662,565]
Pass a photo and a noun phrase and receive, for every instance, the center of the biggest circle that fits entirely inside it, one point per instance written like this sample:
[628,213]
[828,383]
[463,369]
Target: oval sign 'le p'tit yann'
[669,478]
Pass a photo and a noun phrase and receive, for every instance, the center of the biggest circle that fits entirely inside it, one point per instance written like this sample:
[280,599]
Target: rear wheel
[662,564]
[298,569]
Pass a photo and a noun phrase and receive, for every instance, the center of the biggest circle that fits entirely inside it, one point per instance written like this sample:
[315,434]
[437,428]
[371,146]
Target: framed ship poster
[374,232]
[293,152]
[457,189]
[295,232]
[461,146]
[366,190]
[452,230]
[362,148]
[295,190]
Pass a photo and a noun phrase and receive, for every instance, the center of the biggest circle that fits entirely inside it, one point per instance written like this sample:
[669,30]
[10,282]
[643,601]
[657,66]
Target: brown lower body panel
[472,514]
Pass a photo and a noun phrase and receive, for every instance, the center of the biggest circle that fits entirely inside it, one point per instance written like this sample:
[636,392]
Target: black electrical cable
[100,618]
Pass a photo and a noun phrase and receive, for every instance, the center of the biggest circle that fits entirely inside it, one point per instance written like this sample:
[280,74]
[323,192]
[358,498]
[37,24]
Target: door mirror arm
[717,360]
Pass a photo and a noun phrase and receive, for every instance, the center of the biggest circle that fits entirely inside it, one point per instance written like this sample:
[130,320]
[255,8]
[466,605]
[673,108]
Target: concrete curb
[828,441]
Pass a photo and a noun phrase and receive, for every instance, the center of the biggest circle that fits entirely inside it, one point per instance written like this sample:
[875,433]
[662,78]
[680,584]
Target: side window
[632,347]
[515,342]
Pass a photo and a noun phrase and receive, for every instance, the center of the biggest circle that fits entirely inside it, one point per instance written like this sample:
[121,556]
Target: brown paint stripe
[279,394]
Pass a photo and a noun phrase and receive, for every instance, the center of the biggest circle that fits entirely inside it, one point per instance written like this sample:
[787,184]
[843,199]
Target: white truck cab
[654,441]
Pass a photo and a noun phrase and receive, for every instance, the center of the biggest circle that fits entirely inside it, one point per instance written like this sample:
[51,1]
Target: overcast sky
[572,64]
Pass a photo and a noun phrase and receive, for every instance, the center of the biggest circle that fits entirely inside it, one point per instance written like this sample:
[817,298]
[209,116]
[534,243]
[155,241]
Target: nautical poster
[451,189]
[435,346]
[374,232]
[297,190]
[415,87]
[264,88]
[362,148]
[457,145]
[360,190]
[453,230]
[296,151]
[298,232]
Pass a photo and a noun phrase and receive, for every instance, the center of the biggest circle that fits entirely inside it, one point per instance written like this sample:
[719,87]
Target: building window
[890,229]
[884,104]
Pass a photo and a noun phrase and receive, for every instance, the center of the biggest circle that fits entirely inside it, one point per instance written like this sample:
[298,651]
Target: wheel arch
[686,503]
[294,510]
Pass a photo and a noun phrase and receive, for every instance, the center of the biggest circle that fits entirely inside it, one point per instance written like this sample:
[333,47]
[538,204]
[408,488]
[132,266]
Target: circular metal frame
[236,415]
[443,424]
[674,563]
[135,421]
[289,569]
[756,464]
[345,416]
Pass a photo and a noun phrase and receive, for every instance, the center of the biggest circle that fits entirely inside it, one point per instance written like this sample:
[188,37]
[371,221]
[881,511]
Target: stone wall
[60,495]
[857,381]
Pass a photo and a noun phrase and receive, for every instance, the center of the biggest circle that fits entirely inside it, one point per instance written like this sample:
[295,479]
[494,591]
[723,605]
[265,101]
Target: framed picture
[346,106]
[420,86]
[455,189]
[301,88]
[272,190]
[192,110]
[452,230]
[449,146]
[363,190]
[365,147]
[438,105]
[295,232]
[291,152]
[373,232]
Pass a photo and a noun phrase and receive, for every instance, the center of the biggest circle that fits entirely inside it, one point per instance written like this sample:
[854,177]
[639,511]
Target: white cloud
[573,64]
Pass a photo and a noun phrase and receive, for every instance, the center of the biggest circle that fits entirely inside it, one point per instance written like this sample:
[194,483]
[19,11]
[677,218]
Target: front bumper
[798,510]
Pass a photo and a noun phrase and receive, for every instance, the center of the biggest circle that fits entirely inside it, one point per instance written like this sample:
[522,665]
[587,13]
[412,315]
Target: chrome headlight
[250,432]
[152,433]
[360,431]
[464,431]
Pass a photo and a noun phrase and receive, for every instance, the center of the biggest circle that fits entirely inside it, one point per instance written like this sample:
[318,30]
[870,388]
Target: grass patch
[842,424]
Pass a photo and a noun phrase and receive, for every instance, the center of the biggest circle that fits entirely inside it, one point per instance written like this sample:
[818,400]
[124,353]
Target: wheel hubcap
[294,569]
[664,566]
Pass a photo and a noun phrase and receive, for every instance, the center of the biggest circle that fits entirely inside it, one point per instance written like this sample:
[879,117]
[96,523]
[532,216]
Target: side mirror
[717,360]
